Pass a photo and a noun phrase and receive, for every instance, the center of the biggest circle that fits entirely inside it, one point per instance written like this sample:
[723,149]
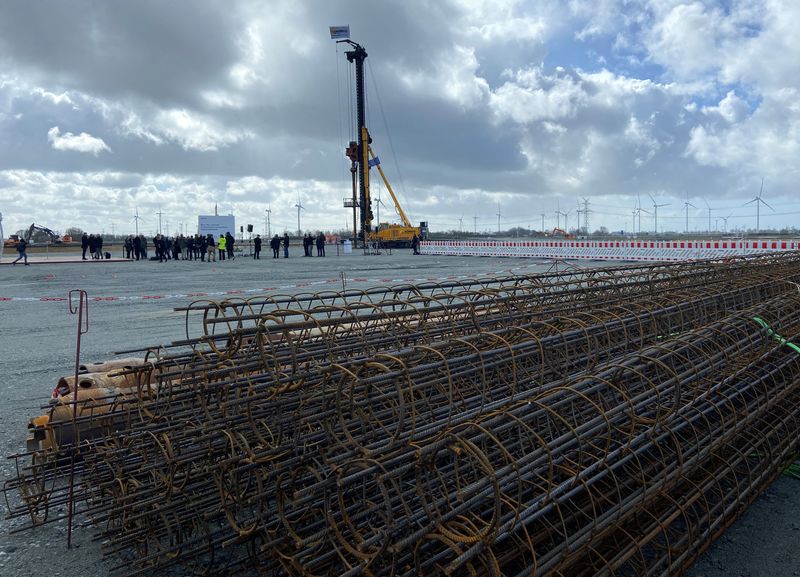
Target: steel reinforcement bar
[583,422]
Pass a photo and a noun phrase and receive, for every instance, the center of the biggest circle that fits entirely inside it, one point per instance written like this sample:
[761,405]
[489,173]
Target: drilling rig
[362,159]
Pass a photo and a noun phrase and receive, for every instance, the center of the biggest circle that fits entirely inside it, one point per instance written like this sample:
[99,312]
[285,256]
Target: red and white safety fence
[623,250]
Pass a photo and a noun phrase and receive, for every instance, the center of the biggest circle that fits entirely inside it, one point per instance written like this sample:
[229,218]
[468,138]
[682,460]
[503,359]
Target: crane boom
[400,211]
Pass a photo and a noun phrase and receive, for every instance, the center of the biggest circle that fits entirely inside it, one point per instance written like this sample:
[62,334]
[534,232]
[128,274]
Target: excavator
[363,158]
[54,237]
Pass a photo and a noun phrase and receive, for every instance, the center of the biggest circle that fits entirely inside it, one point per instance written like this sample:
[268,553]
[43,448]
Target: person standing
[257,247]
[22,248]
[275,245]
[99,246]
[211,248]
[221,246]
[285,245]
[321,244]
[84,244]
[229,242]
[415,244]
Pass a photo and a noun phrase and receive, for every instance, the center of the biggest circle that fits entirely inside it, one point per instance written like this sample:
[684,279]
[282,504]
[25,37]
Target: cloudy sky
[475,106]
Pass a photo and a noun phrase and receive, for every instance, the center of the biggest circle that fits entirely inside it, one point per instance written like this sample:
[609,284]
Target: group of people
[196,247]
[92,243]
[191,247]
[276,242]
[310,240]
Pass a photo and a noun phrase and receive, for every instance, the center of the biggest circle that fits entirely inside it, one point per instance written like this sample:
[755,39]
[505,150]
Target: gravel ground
[37,338]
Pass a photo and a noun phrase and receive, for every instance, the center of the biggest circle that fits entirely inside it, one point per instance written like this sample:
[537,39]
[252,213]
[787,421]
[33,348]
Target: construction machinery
[363,158]
[54,237]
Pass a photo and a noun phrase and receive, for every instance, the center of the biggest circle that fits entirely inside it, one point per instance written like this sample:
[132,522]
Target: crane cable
[389,140]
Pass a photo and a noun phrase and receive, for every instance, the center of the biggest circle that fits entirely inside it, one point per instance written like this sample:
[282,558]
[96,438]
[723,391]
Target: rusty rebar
[608,421]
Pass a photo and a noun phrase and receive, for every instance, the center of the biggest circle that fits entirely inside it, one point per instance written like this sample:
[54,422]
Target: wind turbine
[299,207]
[637,212]
[498,218]
[565,215]
[136,219]
[655,210]
[759,201]
[725,221]
[461,224]
[268,230]
[159,213]
[686,205]
[708,206]
[475,223]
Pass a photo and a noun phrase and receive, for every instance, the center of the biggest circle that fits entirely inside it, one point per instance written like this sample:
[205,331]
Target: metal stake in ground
[82,310]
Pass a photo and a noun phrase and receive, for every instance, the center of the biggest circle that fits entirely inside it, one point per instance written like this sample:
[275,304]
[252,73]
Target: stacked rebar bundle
[588,422]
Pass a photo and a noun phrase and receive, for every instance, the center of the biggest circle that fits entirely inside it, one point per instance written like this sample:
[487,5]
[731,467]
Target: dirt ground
[37,340]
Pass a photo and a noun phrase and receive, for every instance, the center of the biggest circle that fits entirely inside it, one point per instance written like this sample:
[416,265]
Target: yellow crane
[362,160]
[393,235]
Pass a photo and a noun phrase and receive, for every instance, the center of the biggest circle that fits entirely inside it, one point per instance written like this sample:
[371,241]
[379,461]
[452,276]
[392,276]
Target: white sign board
[216,225]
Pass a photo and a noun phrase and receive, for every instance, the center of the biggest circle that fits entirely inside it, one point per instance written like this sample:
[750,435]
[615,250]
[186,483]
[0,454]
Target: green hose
[776,336]
[792,470]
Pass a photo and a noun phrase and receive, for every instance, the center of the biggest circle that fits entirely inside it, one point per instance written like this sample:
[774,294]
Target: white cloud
[686,39]
[533,95]
[62,98]
[82,142]
[194,131]
[452,77]
[731,108]
[766,142]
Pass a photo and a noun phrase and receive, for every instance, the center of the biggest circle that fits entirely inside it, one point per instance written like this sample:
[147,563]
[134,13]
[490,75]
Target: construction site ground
[131,306]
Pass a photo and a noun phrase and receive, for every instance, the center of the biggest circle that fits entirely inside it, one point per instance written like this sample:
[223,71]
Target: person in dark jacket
[321,244]
[99,246]
[275,245]
[128,245]
[84,244]
[137,247]
[257,247]
[211,248]
[415,244]
[285,245]
[22,248]
[229,242]
[91,244]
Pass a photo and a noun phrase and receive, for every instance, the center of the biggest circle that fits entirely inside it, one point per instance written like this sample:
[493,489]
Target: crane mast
[357,55]
[362,158]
